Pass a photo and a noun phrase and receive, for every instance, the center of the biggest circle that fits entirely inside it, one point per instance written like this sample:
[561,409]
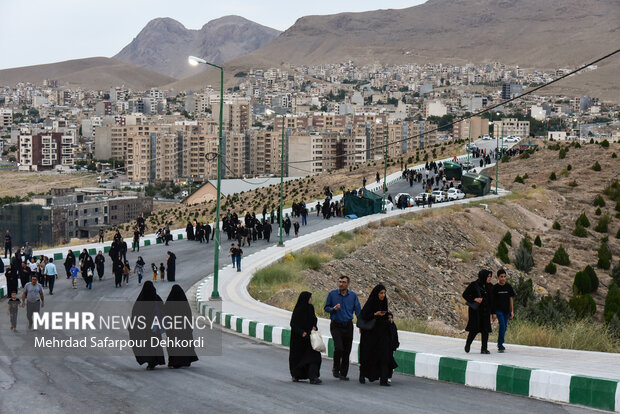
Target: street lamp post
[215,295]
[383,210]
[281,243]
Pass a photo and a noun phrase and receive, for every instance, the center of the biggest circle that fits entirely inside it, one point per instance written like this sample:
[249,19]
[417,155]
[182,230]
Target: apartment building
[237,113]
[472,128]
[314,152]
[511,126]
[6,117]
[45,150]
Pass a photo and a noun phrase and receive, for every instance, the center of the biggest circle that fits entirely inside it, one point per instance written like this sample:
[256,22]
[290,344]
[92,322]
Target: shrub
[583,220]
[581,283]
[598,201]
[537,241]
[605,144]
[614,155]
[550,310]
[596,166]
[573,184]
[524,292]
[603,224]
[615,273]
[553,177]
[604,256]
[582,305]
[523,259]
[556,226]
[589,270]
[580,231]
[507,238]
[561,257]
[618,234]
[526,242]
[569,167]
[551,268]
[502,252]
[612,303]
[598,211]
[519,179]
[505,158]
[562,153]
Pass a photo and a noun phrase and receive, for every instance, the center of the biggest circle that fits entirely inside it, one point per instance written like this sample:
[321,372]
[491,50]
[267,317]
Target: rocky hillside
[425,260]
[164,44]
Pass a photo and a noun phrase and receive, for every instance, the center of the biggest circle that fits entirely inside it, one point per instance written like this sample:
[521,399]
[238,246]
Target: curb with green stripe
[553,386]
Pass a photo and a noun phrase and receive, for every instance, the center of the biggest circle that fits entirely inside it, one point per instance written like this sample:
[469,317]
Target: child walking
[73,272]
[126,271]
[13,308]
[162,272]
[154,267]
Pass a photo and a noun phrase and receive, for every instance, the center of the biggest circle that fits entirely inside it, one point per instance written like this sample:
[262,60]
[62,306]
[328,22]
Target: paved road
[250,377]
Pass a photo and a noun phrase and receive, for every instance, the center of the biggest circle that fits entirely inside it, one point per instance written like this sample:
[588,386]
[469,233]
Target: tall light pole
[281,243]
[385,152]
[215,295]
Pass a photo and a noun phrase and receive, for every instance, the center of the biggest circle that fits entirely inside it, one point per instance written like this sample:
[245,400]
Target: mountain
[530,33]
[95,73]
[164,44]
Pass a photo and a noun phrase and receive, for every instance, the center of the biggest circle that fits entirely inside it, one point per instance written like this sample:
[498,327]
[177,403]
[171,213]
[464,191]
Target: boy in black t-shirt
[503,306]
[13,308]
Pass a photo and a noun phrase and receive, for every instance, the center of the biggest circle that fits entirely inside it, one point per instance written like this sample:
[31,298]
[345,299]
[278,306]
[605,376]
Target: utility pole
[281,243]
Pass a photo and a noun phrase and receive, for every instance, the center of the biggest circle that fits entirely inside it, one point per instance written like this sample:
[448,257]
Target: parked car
[424,197]
[410,200]
[512,139]
[486,137]
[440,196]
[455,194]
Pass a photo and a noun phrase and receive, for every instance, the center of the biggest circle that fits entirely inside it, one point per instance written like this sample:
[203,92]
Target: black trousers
[484,338]
[50,282]
[342,334]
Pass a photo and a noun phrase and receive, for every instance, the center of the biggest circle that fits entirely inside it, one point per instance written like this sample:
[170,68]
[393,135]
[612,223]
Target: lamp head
[195,61]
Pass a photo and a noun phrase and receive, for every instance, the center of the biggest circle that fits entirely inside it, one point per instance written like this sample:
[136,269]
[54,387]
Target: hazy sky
[33,32]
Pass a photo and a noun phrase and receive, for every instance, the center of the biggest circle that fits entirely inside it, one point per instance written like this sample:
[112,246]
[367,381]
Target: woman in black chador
[148,306]
[178,310]
[478,297]
[172,266]
[303,361]
[376,343]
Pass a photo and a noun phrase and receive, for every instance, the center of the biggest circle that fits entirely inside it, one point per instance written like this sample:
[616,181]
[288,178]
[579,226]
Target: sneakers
[501,350]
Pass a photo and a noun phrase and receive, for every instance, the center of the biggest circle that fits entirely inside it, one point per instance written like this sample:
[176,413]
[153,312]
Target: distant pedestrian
[503,306]
[232,255]
[8,244]
[162,272]
[342,304]
[364,182]
[51,274]
[136,240]
[74,271]
[478,298]
[101,232]
[296,228]
[28,252]
[13,308]
[126,272]
[378,177]
[238,255]
[171,262]
[33,298]
[117,269]
[139,268]
[100,264]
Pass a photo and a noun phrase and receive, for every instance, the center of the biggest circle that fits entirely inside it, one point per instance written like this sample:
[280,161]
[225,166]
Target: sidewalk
[578,377]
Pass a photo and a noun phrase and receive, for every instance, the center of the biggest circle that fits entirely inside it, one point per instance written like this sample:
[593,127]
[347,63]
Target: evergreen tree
[561,257]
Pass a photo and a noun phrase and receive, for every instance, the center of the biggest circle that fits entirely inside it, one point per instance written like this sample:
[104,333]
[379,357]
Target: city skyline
[67,23]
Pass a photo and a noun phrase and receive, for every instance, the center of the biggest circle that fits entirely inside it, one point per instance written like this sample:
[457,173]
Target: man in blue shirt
[341,304]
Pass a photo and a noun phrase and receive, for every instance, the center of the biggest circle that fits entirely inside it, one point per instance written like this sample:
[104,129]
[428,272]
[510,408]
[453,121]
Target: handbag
[365,324]
[316,340]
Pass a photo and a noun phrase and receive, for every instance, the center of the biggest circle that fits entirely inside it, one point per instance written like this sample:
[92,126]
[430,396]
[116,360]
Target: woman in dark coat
[69,262]
[178,309]
[376,343]
[189,229]
[117,269]
[100,264]
[172,266]
[87,264]
[479,292]
[303,361]
[11,279]
[148,306]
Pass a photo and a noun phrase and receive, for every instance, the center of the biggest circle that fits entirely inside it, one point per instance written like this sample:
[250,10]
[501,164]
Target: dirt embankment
[425,260]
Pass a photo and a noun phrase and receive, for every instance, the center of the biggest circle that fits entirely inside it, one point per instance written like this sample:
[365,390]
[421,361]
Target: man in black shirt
[503,306]
[8,244]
